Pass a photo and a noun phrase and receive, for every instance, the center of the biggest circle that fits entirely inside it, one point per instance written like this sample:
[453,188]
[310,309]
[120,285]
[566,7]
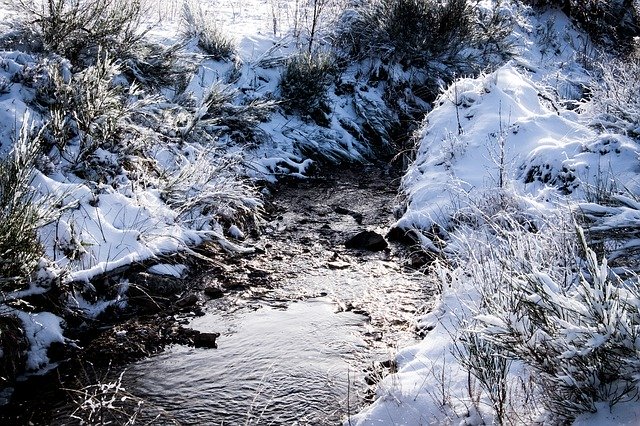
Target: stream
[305,341]
[307,327]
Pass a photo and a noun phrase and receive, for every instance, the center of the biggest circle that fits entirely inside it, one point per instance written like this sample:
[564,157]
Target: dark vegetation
[612,23]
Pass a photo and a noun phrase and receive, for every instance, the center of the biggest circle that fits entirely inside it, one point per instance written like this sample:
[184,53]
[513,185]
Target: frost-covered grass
[22,212]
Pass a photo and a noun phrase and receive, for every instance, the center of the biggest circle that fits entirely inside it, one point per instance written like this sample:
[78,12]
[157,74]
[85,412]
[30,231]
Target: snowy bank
[504,165]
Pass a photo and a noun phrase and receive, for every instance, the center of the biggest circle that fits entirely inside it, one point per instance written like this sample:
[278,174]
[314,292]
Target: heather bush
[304,81]
[410,32]
[76,29]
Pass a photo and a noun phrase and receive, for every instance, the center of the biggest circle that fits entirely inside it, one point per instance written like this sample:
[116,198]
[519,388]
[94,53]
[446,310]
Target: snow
[42,329]
[177,271]
[507,132]
[514,131]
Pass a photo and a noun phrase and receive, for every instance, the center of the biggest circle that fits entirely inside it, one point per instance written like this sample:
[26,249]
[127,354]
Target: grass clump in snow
[305,80]
[21,214]
[76,29]
[208,34]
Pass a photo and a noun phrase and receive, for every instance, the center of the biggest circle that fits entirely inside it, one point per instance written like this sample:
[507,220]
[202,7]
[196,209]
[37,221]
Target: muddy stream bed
[318,323]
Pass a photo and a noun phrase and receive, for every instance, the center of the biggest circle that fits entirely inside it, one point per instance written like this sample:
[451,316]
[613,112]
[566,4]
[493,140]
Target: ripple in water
[293,366]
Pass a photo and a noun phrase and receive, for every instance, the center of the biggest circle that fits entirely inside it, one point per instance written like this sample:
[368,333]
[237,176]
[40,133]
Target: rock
[206,340]
[159,285]
[367,240]
[258,273]
[338,264]
[404,236]
[421,259]
[358,217]
[56,351]
[187,301]
[214,292]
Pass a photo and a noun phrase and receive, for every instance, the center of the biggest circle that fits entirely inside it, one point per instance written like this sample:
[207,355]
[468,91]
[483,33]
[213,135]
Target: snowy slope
[508,143]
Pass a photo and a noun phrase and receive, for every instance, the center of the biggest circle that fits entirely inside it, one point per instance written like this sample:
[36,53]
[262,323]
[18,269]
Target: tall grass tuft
[210,38]
[21,213]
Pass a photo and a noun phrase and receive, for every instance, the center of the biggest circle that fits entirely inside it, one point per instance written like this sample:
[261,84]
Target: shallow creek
[300,344]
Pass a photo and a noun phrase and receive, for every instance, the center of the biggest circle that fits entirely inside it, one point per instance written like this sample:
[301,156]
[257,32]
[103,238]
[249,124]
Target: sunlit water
[271,367]
[295,351]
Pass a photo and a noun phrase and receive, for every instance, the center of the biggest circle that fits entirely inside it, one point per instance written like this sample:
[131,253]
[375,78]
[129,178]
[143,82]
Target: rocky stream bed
[304,326]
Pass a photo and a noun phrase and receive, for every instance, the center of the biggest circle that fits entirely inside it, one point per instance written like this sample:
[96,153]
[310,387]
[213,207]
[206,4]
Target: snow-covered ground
[511,137]
[508,144]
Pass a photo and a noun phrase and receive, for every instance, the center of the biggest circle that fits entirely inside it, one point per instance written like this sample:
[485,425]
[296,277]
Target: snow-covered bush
[410,32]
[206,191]
[614,23]
[21,213]
[221,112]
[304,81]
[155,66]
[614,103]
[612,220]
[85,109]
[540,305]
[76,29]
[574,326]
[197,25]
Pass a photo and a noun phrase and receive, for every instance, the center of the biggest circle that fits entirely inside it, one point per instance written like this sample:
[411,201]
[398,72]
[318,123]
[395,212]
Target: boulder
[214,292]
[187,301]
[206,340]
[367,240]
[403,236]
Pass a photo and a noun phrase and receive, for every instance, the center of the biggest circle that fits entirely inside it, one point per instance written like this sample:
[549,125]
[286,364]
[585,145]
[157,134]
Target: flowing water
[298,345]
